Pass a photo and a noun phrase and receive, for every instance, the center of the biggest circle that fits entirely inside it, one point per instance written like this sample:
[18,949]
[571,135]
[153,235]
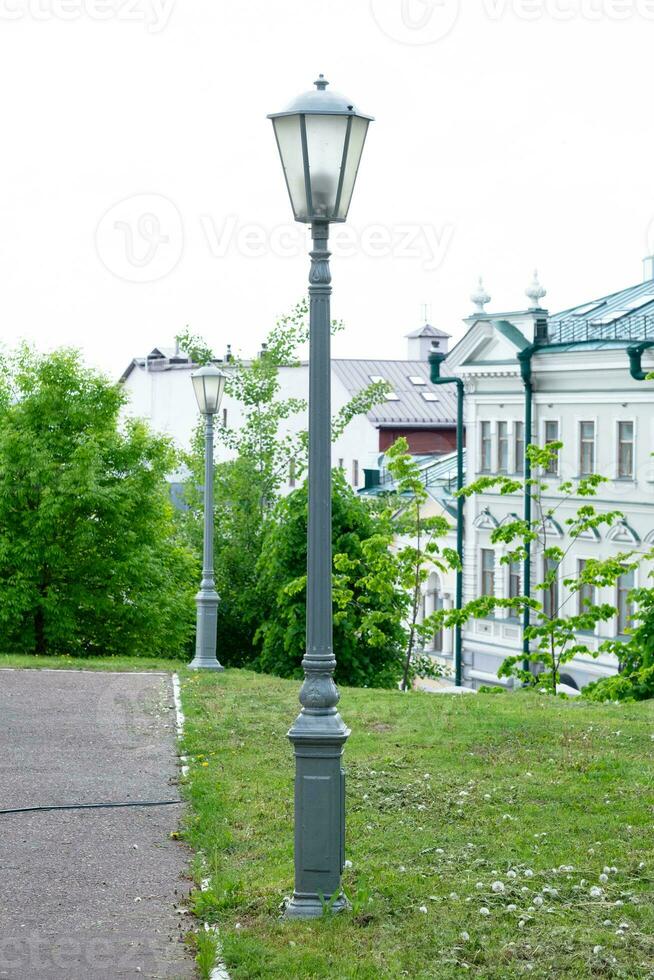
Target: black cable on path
[90,806]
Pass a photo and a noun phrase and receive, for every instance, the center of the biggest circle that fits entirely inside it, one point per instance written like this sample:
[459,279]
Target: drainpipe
[635,354]
[435,361]
[524,357]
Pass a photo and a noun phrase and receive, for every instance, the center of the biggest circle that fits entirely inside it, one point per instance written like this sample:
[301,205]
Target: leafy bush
[637,686]
[89,559]
[368,632]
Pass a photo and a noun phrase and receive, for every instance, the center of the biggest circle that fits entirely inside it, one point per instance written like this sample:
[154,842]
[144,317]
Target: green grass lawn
[446,796]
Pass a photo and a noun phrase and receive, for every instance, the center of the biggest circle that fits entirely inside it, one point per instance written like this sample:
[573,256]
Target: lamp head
[320,137]
[209,385]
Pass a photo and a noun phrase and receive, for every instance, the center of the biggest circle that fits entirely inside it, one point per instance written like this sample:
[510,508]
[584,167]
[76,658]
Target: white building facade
[585,396]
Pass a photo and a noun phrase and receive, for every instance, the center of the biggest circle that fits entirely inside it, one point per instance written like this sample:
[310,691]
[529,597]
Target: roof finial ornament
[480,297]
[535,291]
[321,83]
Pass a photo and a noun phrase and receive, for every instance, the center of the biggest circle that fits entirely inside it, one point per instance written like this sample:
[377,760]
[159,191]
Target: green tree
[556,627]
[383,552]
[264,453]
[416,552]
[89,559]
[368,609]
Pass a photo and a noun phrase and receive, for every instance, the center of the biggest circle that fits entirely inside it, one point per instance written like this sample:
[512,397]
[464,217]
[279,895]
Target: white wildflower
[597,950]
[423,908]
[529,873]
[454,896]
[479,886]
[439,850]
[521,924]
[484,911]
[497,887]
[596,892]
[624,925]
[464,936]
[347,864]
[487,796]
[511,874]
[607,922]
[619,902]
[538,901]
[603,879]
[511,908]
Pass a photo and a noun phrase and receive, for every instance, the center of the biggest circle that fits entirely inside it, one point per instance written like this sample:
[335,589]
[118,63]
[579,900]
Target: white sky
[522,137]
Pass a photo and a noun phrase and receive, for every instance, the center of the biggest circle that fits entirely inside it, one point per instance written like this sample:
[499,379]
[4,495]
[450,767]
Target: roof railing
[628,327]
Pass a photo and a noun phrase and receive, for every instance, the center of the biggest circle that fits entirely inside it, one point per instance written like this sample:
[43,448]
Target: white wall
[165,399]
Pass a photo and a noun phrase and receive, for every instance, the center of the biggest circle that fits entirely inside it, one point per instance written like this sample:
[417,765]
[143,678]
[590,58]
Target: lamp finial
[321,83]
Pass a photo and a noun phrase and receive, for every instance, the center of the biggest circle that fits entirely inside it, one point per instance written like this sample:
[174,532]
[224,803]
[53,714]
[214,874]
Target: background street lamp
[208,384]
[320,137]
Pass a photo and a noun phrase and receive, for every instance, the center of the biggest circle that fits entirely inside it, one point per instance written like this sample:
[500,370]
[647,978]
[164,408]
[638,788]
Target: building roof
[406,404]
[626,316]
[427,331]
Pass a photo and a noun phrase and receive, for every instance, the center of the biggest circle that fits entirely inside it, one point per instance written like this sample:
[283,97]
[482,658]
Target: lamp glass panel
[325,144]
[289,141]
[354,151]
[209,391]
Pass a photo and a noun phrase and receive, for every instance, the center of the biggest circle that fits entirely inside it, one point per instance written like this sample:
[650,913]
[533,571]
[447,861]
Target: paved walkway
[90,893]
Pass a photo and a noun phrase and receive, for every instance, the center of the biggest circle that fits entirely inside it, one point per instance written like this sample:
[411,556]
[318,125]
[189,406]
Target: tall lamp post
[320,137]
[208,384]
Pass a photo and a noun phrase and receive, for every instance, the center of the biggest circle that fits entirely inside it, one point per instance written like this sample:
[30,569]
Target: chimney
[228,354]
[648,268]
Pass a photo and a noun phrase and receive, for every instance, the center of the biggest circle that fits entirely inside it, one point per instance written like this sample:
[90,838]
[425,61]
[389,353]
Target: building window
[551,592]
[355,472]
[586,594]
[487,571]
[503,447]
[552,435]
[586,448]
[485,459]
[625,450]
[291,473]
[514,579]
[625,608]
[519,446]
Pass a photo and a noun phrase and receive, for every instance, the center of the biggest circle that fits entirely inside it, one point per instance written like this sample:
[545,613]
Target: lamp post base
[312,907]
[206,633]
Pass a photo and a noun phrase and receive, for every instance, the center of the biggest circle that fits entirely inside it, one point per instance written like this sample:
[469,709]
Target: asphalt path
[99,892]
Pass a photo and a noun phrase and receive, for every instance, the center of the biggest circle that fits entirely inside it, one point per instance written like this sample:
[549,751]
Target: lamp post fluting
[320,137]
[208,384]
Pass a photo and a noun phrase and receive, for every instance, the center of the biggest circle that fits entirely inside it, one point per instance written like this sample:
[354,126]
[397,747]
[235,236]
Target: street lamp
[320,137]
[208,384]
